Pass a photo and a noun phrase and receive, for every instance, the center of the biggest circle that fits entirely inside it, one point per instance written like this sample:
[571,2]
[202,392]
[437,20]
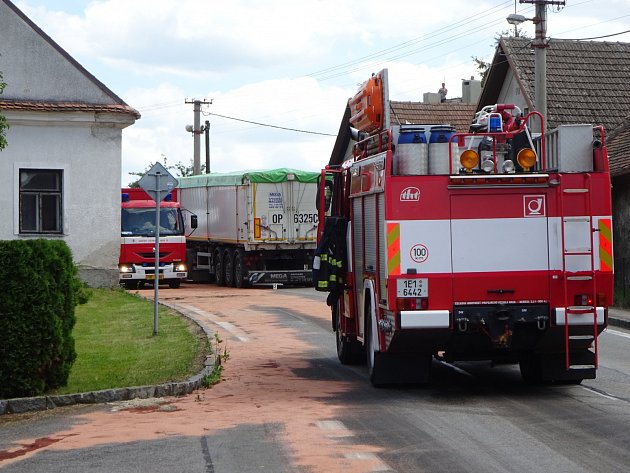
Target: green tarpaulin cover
[240,177]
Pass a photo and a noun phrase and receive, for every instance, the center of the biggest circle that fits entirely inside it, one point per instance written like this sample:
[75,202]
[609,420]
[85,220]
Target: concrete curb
[617,322]
[41,403]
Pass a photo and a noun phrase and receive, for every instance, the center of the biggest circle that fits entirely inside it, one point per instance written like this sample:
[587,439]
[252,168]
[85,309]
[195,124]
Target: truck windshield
[141,222]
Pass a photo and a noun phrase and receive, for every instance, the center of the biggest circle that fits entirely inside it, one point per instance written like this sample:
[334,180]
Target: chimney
[471,90]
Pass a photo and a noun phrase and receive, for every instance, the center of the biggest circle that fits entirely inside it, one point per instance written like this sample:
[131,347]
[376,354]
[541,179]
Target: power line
[270,126]
[594,37]
[406,44]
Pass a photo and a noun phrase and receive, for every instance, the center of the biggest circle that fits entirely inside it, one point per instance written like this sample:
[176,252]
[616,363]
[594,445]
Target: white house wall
[511,92]
[65,119]
[89,155]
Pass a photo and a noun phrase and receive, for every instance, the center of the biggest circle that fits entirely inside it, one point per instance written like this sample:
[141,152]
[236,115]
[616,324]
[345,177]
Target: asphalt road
[287,405]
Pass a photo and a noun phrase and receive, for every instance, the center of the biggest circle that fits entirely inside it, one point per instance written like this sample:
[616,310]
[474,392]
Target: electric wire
[594,37]
[338,70]
[270,126]
[408,43]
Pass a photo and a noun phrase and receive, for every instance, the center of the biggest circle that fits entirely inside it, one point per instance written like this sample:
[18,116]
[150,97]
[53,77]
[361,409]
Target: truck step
[582,367]
[580,309]
[581,337]
[578,252]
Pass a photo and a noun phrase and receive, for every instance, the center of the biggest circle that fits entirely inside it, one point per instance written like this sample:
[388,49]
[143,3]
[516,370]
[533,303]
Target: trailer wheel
[239,268]
[349,351]
[228,266]
[219,274]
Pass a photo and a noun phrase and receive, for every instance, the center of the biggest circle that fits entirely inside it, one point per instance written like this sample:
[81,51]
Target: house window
[40,200]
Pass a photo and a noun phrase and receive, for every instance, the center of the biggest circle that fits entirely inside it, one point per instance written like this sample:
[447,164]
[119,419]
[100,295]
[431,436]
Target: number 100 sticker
[419,253]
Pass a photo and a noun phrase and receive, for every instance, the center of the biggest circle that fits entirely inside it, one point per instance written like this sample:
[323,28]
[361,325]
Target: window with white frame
[41,200]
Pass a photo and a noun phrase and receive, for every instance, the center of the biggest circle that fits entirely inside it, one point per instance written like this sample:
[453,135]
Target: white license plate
[418,287]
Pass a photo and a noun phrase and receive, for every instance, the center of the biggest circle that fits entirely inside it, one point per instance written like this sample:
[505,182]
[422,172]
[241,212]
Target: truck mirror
[328,190]
[193,221]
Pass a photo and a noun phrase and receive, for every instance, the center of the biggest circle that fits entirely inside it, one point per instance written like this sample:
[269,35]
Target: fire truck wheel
[174,284]
[239,269]
[219,274]
[228,265]
[374,359]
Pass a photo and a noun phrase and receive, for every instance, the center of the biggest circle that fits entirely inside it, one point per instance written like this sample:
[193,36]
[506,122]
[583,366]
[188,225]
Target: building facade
[60,173]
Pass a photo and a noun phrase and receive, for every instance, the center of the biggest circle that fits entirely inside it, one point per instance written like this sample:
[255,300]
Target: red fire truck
[493,245]
[137,246]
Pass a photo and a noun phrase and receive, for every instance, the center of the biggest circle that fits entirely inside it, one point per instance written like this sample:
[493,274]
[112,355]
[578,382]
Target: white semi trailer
[253,227]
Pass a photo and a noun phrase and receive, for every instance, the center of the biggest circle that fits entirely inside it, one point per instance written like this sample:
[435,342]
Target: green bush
[40,290]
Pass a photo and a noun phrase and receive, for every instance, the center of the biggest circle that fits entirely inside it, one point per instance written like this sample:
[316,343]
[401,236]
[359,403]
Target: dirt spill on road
[259,386]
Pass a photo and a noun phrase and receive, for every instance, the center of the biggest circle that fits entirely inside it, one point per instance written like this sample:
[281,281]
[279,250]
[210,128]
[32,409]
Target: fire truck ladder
[570,223]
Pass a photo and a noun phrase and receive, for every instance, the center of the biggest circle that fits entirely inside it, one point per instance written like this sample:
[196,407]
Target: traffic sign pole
[156,281]
[157,182]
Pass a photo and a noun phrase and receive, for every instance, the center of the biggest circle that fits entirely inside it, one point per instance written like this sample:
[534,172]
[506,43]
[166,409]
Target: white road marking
[619,334]
[379,465]
[334,428]
[454,368]
[227,326]
[607,396]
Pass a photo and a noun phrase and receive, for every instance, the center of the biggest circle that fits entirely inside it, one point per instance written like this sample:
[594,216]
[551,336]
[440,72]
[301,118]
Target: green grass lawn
[116,348]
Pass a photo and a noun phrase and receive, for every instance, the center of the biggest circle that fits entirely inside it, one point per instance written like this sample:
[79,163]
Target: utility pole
[196,130]
[540,45]
[207,130]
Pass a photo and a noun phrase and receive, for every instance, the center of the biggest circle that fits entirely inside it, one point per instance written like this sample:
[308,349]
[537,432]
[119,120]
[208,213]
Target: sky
[278,73]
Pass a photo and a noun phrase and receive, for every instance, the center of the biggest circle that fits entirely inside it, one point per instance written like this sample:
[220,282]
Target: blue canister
[411,153]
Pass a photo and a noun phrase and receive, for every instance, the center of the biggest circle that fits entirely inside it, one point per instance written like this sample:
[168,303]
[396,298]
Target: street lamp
[516,19]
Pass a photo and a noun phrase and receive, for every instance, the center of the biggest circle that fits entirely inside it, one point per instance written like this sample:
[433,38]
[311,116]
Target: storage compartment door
[500,248]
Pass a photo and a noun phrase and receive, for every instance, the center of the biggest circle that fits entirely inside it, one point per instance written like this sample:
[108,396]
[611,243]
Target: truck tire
[373,357]
[228,266]
[239,268]
[131,284]
[219,272]
[174,283]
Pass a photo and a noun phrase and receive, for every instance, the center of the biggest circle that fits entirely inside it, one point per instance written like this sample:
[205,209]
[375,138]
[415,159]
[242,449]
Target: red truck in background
[137,244]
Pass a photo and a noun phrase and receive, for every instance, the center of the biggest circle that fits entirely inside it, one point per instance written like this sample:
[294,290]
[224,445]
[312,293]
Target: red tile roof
[618,153]
[41,106]
[587,82]
[456,114]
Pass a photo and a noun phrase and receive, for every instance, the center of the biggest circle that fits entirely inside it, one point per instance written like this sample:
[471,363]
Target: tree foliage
[3,120]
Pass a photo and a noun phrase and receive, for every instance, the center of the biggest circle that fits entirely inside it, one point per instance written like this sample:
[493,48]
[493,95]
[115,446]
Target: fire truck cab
[489,245]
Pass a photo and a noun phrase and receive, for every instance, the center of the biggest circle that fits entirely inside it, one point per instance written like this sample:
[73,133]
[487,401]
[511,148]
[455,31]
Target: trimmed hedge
[40,289]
